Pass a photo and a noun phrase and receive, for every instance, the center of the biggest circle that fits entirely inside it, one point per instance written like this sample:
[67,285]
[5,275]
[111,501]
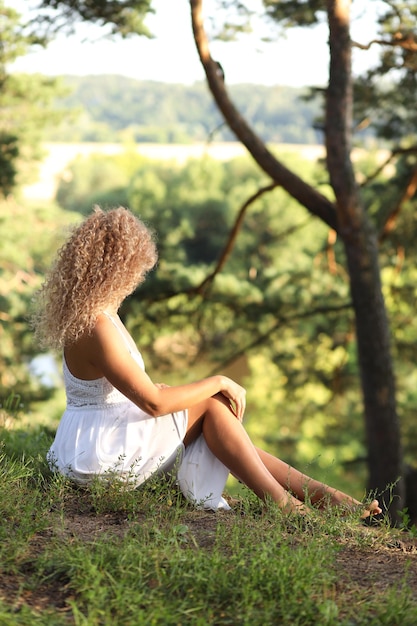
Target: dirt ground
[365,570]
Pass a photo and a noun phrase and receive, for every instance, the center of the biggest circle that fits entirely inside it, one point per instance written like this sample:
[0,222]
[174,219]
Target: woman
[117,421]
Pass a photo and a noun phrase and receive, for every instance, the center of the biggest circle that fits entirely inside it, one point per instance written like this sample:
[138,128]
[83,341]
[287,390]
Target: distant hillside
[111,108]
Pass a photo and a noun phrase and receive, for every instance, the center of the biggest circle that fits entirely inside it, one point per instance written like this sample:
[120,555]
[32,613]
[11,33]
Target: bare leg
[303,486]
[230,443]
[266,475]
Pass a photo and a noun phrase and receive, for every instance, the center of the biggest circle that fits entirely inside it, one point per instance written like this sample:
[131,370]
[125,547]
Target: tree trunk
[348,218]
[360,242]
[385,471]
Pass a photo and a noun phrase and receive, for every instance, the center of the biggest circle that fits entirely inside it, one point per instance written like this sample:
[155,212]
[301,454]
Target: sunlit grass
[108,554]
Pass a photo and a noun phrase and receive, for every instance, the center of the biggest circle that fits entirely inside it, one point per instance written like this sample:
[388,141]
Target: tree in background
[27,244]
[120,17]
[345,213]
[26,104]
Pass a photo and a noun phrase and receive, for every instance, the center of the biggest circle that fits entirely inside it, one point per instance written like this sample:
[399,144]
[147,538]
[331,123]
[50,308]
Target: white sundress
[103,433]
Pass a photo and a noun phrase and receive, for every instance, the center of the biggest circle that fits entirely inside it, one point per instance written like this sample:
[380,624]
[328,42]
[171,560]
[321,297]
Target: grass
[108,555]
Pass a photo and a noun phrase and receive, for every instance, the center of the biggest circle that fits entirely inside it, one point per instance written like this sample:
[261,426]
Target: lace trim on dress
[95,393]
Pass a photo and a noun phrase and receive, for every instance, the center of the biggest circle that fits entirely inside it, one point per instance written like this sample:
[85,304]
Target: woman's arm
[107,352]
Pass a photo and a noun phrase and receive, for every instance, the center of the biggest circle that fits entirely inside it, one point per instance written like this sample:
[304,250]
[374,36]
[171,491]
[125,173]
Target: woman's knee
[218,403]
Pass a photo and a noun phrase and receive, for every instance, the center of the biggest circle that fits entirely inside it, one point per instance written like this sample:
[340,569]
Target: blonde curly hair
[102,262]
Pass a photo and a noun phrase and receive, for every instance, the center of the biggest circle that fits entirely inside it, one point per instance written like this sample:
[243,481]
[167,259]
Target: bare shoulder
[103,321]
[104,335]
[84,356]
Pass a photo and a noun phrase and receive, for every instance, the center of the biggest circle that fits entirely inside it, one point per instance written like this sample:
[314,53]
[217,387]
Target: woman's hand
[236,396]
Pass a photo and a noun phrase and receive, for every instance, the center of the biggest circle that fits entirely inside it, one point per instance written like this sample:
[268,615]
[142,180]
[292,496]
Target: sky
[298,59]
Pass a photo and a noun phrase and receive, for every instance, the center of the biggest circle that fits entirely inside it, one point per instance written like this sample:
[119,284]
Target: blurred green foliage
[27,104]
[29,237]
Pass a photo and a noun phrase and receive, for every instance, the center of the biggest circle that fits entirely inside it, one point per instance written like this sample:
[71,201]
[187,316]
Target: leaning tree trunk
[348,218]
[360,242]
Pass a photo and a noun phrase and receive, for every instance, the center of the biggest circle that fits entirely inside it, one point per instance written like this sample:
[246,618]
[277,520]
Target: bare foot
[372,509]
[293,505]
[365,510]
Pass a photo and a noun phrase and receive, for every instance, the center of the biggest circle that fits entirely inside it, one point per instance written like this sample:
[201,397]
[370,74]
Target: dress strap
[121,333]
[130,345]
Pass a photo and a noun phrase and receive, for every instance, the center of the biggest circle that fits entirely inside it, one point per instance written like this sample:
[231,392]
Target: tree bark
[347,217]
[360,242]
